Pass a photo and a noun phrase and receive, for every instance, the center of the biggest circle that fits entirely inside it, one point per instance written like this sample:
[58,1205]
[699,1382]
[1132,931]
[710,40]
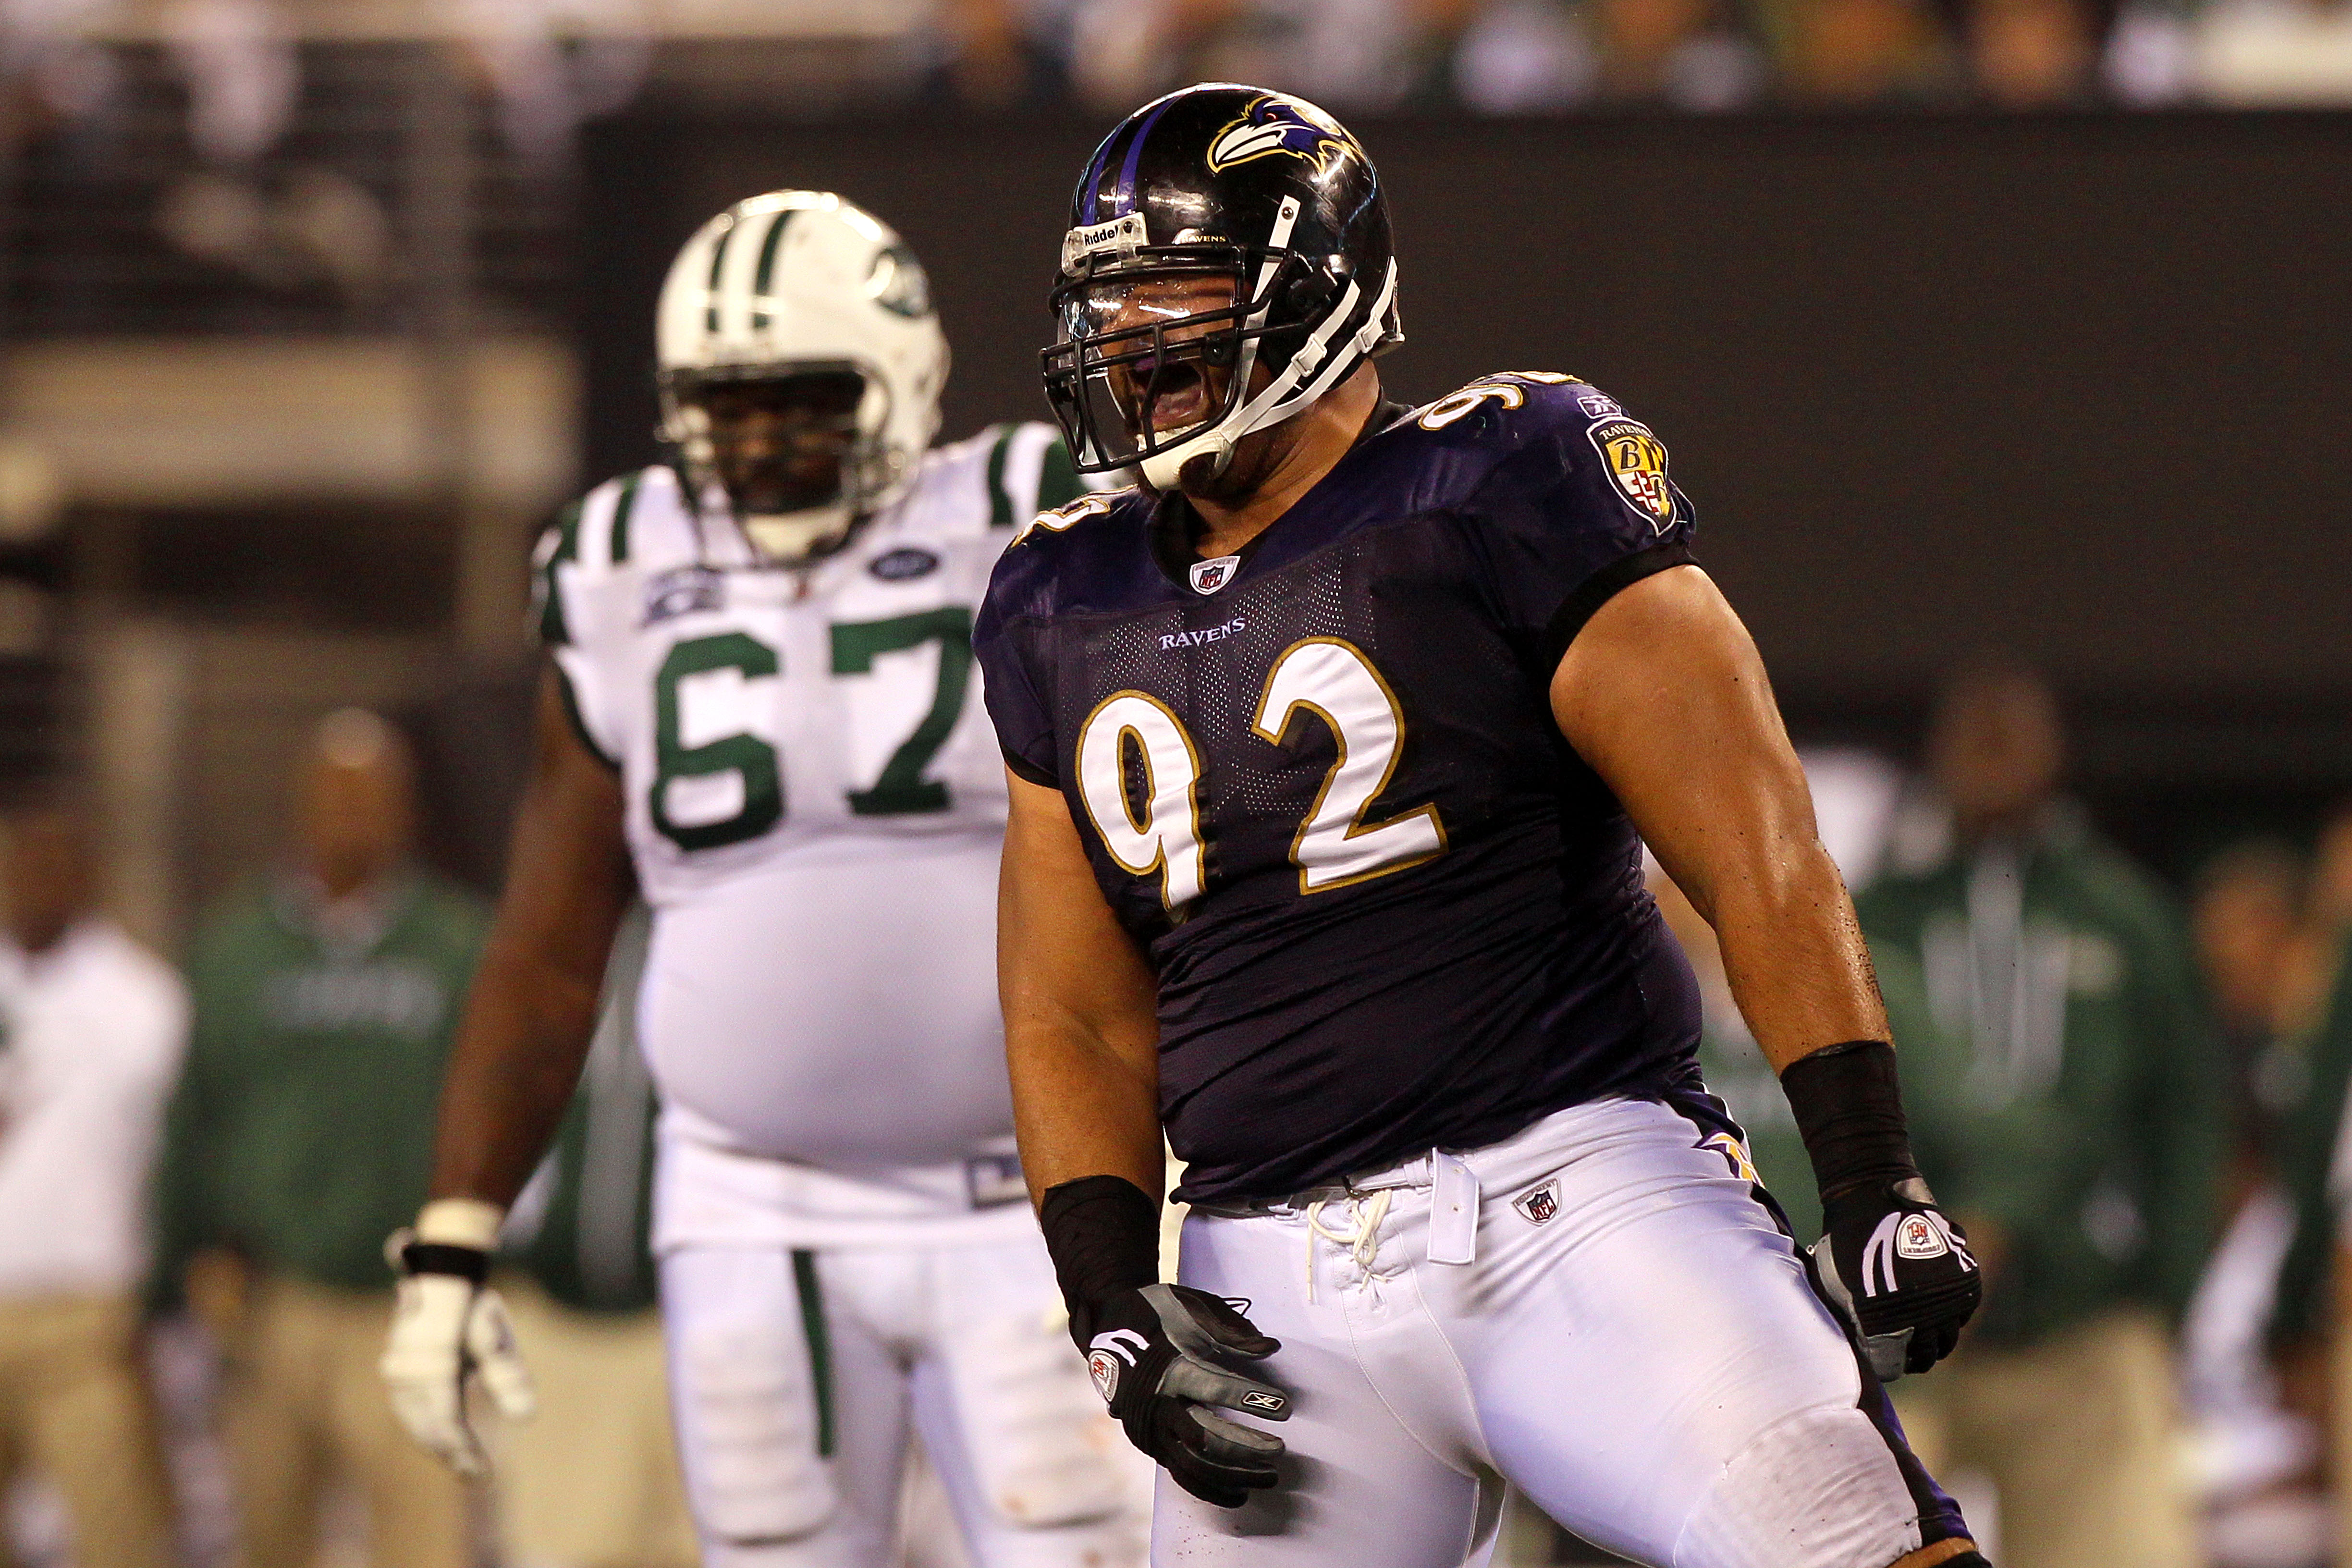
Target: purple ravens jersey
[1319,781]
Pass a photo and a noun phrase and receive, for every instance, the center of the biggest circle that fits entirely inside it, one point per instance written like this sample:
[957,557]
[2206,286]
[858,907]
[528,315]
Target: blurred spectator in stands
[556,64]
[1861,51]
[2030,54]
[2073,1110]
[50,67]
[1689,54]
[592,1481]
[1524,57]
[299,1138]
[2272,53]
[92,1028]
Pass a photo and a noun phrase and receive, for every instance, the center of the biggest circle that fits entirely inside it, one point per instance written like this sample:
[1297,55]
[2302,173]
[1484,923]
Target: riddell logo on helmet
[1122,237]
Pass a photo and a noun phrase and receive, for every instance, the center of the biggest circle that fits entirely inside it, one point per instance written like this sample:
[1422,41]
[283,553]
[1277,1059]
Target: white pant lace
[1363,1242]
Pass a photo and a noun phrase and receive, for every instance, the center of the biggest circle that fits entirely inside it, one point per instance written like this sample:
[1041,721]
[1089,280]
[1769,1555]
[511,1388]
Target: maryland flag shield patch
[1635,461]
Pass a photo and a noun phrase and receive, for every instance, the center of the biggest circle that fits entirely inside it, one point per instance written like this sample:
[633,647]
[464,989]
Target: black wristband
[1849,1110]
[442,1258]
[1103,1233]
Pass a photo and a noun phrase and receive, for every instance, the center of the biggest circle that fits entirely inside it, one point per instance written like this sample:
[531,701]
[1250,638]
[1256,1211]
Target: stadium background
[313,313]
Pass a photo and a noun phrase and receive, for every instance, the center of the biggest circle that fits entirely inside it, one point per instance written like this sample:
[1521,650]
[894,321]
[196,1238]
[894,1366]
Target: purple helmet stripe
[1122,198]
[1094,173]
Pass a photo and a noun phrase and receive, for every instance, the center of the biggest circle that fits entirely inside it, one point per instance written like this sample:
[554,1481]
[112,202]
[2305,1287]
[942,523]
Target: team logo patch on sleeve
[1635,461]
[1538,1204]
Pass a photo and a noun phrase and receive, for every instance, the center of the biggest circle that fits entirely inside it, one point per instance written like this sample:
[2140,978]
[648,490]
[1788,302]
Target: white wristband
[460,1222]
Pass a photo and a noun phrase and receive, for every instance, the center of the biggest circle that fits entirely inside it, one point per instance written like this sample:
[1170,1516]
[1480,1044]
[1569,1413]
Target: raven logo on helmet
[1274,123]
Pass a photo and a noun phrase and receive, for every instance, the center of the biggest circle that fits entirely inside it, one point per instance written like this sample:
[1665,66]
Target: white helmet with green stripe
[801,364]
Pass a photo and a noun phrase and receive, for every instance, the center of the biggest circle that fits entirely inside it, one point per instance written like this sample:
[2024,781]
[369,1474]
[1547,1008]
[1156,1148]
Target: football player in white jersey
[761,717]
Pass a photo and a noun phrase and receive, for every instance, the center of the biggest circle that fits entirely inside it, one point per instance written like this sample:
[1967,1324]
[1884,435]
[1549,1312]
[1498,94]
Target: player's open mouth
[1180,402]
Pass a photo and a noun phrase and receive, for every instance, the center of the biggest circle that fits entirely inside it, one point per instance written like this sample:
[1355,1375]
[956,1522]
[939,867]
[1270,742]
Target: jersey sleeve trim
[617,549]
[1604,586]
[1019,467]
[578,720]
[1025,769]
[559,544]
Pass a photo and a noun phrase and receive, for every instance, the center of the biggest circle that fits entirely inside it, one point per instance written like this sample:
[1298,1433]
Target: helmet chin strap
[793,538]
[1315,363]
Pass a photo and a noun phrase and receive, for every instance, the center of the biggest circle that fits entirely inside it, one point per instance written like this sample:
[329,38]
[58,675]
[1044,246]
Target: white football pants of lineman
[1634,1345]
[795,1375]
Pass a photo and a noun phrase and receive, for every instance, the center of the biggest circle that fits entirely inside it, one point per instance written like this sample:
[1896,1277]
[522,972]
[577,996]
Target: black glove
[1900,1270]
[1150,1357]
[1894,1262]
[1152,1347]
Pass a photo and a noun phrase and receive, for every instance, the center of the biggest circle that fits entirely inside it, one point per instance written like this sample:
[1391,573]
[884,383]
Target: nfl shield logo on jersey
[1208,576]
[1539,1203]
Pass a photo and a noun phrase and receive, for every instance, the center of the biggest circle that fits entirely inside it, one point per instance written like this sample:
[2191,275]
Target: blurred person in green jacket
[2070,1104]
[299,1134]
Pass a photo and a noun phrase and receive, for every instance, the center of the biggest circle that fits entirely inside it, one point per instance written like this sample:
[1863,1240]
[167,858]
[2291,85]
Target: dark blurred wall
[2072,385]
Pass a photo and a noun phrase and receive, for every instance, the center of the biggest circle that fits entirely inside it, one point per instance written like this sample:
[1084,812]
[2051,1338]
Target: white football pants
[795,1375]
[1599,1309]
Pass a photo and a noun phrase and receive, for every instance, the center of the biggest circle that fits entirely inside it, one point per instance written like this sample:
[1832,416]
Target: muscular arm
[1081,1035]
[532,1009]
[1664,694]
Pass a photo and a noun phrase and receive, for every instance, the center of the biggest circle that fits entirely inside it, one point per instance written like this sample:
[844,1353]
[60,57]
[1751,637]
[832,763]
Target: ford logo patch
[904,563]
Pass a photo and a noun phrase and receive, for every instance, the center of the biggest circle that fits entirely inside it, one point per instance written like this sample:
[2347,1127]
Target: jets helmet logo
[1635,461]
[1110,1352]
[1276,123]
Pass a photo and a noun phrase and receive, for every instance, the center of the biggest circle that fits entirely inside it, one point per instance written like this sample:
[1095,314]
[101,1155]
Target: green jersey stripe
[621,510]
[820,1345]
[1057,477]
[1001,512]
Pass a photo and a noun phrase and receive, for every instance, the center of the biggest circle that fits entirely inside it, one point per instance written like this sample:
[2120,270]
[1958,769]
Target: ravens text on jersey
[1389,907]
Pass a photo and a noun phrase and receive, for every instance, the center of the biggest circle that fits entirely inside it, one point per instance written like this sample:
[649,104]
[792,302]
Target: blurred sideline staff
[92,1028]
[301,1132]
[2311,1326]
[760,712]
[2070,1104]
[592,1479]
